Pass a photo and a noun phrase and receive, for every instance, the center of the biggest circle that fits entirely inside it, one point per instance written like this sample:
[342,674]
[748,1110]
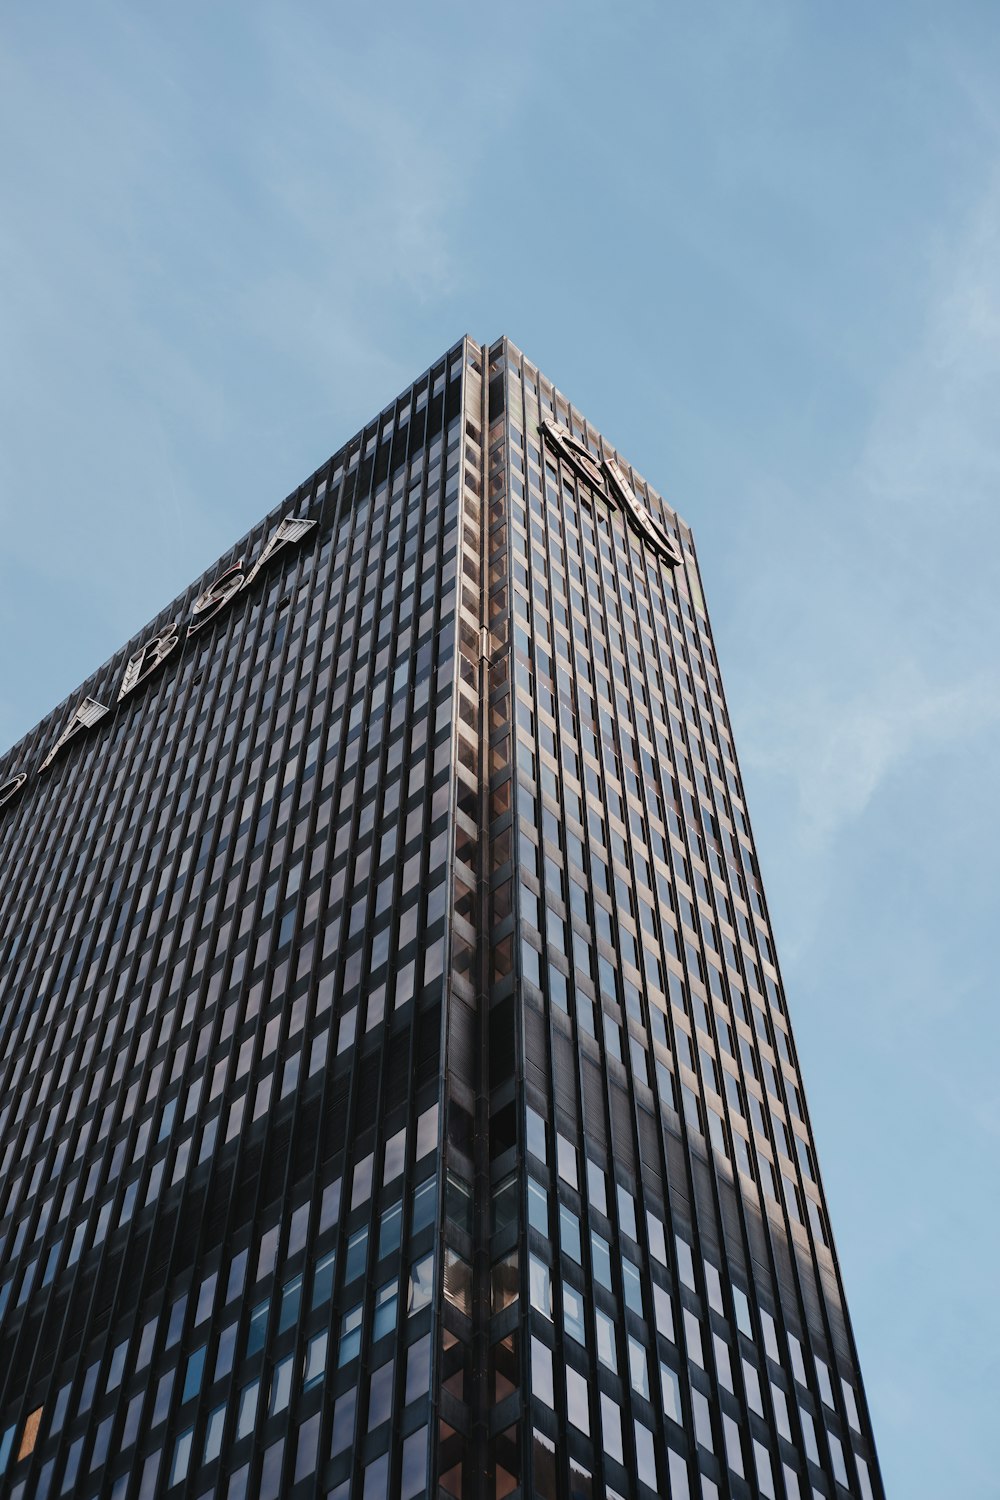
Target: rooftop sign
[154,652]
[604,474]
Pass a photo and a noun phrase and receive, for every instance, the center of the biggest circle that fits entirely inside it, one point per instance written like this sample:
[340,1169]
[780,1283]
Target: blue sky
[759,244]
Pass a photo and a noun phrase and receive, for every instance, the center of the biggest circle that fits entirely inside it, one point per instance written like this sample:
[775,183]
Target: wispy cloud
[894,587]
[935,440]
[837,748]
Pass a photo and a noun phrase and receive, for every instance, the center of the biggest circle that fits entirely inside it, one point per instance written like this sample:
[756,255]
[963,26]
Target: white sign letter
[216,596]
[146,660]
[291,529]
[12,787]
[84,716]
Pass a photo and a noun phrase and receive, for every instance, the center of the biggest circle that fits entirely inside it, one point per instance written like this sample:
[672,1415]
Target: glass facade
[398,1096]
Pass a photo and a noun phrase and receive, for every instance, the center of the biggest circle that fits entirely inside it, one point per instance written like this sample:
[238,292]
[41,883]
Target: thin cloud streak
[894,678]
[836,752]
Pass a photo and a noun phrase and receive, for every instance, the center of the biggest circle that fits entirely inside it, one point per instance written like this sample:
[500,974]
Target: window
[539,1286]
[421,1284]
[343,1421]
[577,1400]
[424,1205]
[611,1426]
[743,1321]
[601,1259]
[357,1255]
[606,1343]
[386,1304]
[281,1386]
[765,1472]
[213,1434]
[315,1361]
[573,1314]
[645,1455]
[837,1454]
[538,1207]
[569,1233]
[418,1369]
[632,1286]
[322,1288]
[566,1154]
[192,1380]
[626,1213]
[380,1395]
[350,1335]
[414,1472]
[536,1134]
[247,1410]
[671,1387]
[734,1449]
[182,1456]
[638,1367]
[291,1298]
[457,1281]
[702,1420]
[257,1329]
[390,1230]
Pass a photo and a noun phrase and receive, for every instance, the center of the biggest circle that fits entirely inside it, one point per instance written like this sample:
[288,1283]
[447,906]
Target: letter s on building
[216,597]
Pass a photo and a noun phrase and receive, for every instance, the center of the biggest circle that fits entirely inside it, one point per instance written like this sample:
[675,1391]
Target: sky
[759,246]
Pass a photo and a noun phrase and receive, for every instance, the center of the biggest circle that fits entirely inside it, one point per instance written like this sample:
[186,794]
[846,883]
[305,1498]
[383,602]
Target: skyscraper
[398,1095]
